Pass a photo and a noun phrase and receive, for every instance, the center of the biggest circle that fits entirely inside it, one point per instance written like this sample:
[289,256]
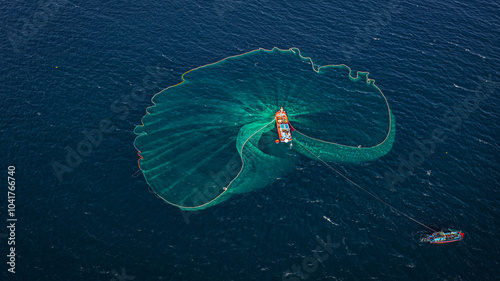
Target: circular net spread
[212,135]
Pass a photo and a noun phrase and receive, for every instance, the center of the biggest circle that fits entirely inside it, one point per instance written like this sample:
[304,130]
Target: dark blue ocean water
[69,67]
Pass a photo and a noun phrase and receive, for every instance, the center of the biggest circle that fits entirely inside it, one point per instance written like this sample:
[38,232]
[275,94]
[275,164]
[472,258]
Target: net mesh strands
[212,135]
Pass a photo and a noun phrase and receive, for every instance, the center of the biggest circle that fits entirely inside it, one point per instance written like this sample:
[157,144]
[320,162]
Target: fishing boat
[284,127]
[442,237]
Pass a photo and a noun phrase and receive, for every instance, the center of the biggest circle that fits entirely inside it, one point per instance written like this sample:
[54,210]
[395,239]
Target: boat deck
[283,126]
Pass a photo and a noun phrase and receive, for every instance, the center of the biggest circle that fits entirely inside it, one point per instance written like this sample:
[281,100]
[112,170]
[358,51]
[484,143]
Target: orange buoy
[277,141]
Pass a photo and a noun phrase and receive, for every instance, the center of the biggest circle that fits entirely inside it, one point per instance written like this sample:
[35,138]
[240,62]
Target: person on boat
[441,233]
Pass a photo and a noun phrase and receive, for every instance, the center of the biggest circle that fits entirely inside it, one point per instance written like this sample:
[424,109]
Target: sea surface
[77,76]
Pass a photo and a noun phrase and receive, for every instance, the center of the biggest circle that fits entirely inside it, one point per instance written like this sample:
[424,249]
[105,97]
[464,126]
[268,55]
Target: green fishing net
[212,136]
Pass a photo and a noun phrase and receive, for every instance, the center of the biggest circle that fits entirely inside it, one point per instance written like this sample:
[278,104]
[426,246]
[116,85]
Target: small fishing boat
[442,237]
[284,127]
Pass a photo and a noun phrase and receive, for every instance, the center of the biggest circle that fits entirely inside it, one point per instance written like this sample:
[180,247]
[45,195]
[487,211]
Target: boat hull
[449,237]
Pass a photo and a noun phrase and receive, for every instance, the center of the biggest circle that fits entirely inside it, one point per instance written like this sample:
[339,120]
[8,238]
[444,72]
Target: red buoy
[277,141]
